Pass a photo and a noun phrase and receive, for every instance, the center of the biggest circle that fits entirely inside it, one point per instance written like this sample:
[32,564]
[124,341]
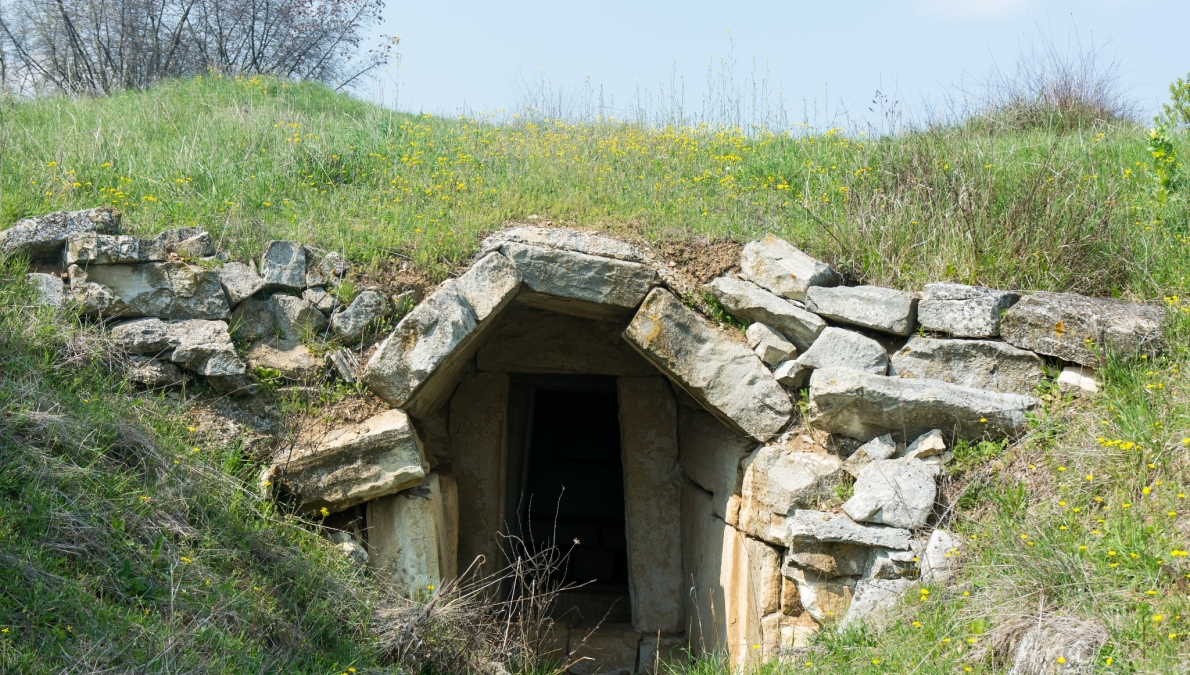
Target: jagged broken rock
[824,598]
[188,242]
[886,563]
[834,348]
[345,364]
[380,456]
[778,481]
[940,559]
[296,318]
[864,406]
[769,345]
[1076,328]
[807,526]
[169,290]
[749,302]
[322,301]
[929,444]
[325,268]
[882,309]
[896,492]
[292,360]
[778,266]
[205,347]
[721,373]
[93,248]
[828,559]
[365,310]
[1078,381]
[982,364]
[48,289]
[349,547]
[283,265]
[963,311]
[253,320]
[881,447]
[873,599]
[42,238]
[240,281]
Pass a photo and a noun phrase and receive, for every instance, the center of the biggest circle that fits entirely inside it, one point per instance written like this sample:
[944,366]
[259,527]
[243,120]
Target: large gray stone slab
[982,364]
[240,281]
[170,290]
[43,237]
[367,309]
[283,265]
[751,303]
[527,340]
[93,248]
[896,492]
[777,481]
[1076,328]
[581,277]
[882,309]
[407,534]
[835,348]
[479,460]
[565,239]
[652,501]
[48,289]
[865,406]
[963,311]
[778,266]
[722,374]
[380,456]
[441,334]
[807,526]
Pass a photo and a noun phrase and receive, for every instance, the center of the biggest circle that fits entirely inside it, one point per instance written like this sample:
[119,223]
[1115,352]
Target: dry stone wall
[738,538]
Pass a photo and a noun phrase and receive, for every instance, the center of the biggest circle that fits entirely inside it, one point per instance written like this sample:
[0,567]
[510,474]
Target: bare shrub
[99,46]
[1050,87]
[462,626]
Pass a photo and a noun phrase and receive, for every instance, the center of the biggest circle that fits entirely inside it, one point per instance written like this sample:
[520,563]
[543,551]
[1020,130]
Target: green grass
[981,202]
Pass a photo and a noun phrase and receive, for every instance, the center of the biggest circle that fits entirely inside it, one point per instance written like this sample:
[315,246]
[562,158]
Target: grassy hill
[126,547]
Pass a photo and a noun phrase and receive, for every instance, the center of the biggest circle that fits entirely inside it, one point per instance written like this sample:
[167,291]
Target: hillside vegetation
[126,547]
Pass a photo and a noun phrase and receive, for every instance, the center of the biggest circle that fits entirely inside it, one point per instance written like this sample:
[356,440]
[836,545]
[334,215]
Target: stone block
[154,374]
[896,492]
[93,248]
[578,276]
[711,455]
[835,348]
[889,564]
[705,538]
[283,265]
[929,444]
[963,311]
[564,239]
[1076,328]
[42,238]
[769,345]
[982,364]
[190,243]
[48,289]
[240,281]
[322,301]
[478,451]
[940,559]
[881,447]
[864,406]
[809,527]
[778,481]
[826,599]
[652,501]
[722,374]
[296,318]
[405,534]
[874,600]
[827,559]
[170,290]
[142,336]
[253,320]
[205,347]
[775,264]
[380,456]
[1078,381]
[526,340]
[367,309]
[325,268]
[488,285]
[349,547]
[881,309]
[750,303]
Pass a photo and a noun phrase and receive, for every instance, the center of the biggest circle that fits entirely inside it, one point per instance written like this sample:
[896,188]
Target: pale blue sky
[468,55]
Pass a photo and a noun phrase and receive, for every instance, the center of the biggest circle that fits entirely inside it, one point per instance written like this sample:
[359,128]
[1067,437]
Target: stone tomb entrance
[563,434]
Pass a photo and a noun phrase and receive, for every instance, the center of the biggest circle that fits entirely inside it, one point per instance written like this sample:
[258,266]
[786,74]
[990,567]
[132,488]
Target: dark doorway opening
[573,488]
